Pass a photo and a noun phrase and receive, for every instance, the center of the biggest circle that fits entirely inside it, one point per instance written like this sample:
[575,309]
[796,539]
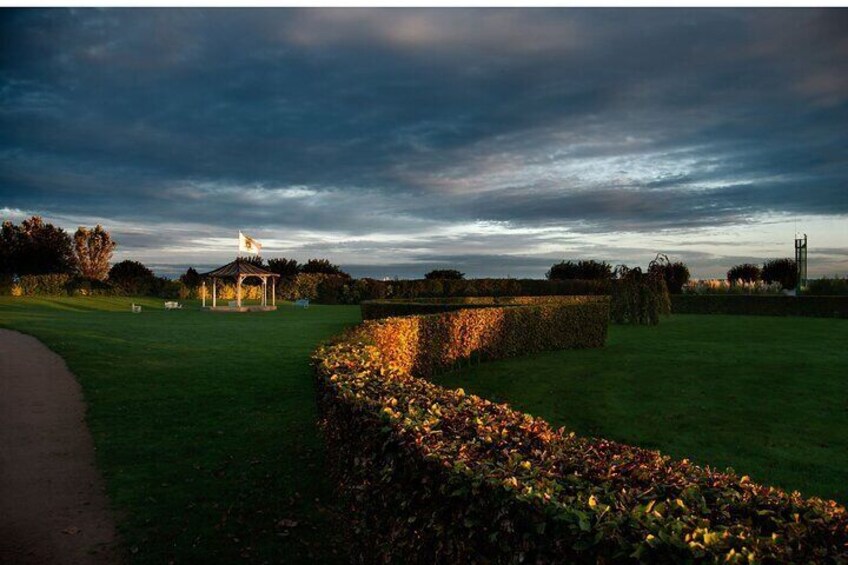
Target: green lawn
[766,396]
[204,423]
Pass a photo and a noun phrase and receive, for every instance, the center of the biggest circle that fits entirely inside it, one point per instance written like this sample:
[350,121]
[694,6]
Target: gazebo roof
[237,268]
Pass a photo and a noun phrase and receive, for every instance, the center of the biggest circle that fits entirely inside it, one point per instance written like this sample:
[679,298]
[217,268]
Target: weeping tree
[639,298]
[93,250]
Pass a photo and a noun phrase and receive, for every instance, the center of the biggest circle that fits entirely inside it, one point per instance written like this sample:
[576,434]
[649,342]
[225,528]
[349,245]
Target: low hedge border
[435,475]
[758,305]
[378,309]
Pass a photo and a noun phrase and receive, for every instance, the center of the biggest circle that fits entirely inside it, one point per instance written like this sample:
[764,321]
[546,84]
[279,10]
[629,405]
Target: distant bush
[675,274]
[783,271]
[133,278]
[442,274]
[582,270]
[744,273]
[828,287]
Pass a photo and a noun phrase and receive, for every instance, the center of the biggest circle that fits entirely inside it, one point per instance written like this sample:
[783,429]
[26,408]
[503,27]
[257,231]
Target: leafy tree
[783,271]
[322,266]
[35,248]
[746,272]
[191,278]
[583,269]
[286,268]
[93,250]
[445,274]
[255,260]
[675,274]
[132,277]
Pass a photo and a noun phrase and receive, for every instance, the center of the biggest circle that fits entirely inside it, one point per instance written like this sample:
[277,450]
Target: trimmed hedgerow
[436,475]
[377,309]
[760,305]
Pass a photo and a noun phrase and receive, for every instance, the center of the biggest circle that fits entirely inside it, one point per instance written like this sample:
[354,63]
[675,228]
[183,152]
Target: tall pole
[203,293]
[214,292]
[273,291]
[238,291]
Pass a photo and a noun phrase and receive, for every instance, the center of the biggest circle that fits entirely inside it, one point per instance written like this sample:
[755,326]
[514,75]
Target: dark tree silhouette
[583,269]
[746,272]
[190,278]
[783,271]
[35,248]
[322,266]
[675,274]
[286,268]
[445,274]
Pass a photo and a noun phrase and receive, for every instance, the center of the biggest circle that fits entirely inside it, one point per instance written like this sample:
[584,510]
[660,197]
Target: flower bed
[432,474]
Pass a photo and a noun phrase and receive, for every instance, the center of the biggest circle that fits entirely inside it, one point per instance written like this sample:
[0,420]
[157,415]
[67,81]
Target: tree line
[36,247]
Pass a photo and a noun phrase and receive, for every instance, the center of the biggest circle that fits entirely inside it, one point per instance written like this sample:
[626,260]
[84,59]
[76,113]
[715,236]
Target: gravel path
[53,508]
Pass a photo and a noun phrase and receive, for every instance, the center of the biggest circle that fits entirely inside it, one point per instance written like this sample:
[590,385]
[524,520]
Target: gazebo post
[238,291]
[264,291]
[273,291]
[203,293]
[214,292]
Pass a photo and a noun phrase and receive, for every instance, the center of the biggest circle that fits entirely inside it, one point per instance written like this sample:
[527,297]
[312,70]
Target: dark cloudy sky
[394,141]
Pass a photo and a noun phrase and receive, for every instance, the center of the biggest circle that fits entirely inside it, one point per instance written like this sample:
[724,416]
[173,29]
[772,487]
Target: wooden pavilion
[240,270]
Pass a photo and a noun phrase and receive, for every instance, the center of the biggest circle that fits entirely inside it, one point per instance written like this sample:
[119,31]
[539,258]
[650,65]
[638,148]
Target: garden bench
[173,306]
[303,303]
[136,309]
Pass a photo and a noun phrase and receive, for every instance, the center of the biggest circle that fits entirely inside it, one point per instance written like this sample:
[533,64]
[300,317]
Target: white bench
[136,309]
[303,303]
[173,306]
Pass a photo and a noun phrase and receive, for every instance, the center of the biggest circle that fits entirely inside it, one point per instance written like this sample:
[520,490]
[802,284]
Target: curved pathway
[53,508]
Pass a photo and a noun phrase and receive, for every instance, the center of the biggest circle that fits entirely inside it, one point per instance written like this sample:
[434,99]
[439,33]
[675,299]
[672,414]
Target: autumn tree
[93,250]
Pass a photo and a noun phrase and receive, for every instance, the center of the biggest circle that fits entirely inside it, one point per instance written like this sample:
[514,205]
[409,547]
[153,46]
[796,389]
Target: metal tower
[801,260]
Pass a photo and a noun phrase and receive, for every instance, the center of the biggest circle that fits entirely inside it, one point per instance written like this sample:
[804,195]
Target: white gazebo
[240,270]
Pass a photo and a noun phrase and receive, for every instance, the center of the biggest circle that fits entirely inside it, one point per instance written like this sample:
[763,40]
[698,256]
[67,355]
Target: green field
[204,423]
[766,396]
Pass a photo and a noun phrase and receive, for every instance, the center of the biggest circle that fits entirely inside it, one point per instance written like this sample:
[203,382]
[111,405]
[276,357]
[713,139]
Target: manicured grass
[765,396]
[204,424]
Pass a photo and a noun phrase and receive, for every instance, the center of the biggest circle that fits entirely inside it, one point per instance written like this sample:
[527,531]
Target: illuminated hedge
[436,475]
[377,309]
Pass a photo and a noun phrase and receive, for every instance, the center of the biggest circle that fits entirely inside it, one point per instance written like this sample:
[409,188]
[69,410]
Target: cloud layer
[396,140]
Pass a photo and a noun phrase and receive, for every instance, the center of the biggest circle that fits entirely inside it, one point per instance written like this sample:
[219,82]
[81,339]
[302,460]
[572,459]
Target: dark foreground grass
[204,424]
[765,396]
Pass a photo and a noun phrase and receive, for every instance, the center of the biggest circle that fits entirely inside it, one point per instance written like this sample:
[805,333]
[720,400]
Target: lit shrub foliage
[745,273]
[638,298]
[44,285]
[783,271]
[436,475]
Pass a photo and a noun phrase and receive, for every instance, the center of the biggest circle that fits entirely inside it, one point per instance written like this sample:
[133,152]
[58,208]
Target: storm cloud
[396,140]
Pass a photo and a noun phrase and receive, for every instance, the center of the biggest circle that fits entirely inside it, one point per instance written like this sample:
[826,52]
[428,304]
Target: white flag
[248,244]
